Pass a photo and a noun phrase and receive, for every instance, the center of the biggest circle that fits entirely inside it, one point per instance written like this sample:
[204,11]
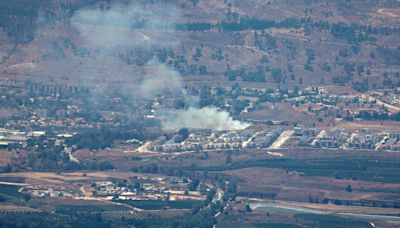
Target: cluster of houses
[334,138]
[145,188]
[201,141]
[49,191]
[137,188]
[12,139]
[345,139]
[389,97]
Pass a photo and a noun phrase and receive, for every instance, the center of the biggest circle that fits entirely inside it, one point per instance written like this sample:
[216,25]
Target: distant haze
[123,26]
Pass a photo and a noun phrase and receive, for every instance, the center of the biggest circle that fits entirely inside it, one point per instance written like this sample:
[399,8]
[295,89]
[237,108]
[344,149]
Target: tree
[137,185]
[348,188]
[248,209]
[203,189]
[203,70]
[193,185]
[184,133]
[27,197]
[196,56]
[277,75]
[6,169]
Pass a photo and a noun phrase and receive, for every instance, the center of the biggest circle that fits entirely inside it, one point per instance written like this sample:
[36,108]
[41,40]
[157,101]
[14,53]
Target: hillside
[274,43]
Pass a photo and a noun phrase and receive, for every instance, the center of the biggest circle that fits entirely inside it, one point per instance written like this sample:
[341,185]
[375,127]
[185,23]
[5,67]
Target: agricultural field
[158,205]
[10,193]
[90,208]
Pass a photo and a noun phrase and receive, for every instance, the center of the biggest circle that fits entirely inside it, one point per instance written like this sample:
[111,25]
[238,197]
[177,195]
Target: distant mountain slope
[280,43]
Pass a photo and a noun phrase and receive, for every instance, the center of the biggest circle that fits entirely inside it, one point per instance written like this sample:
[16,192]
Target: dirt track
[281,140]
[61,178]
[395,13]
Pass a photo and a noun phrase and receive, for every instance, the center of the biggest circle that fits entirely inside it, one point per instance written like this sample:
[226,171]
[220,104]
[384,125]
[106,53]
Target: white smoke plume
[138,26]
[162,79]
[203,118]
[125,26]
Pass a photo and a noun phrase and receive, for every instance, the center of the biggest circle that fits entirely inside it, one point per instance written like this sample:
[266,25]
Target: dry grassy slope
[366,12]
[35,60]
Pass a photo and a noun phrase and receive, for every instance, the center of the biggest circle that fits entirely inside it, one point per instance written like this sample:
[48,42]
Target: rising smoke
[160,79]
[203,118]
[125,26]
[138,26]
[163,79]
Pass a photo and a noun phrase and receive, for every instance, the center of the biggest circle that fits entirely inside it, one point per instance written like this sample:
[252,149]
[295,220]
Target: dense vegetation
[89,208]
[376,116]
[20,18]
[70,219]
[158,204]
[9,192]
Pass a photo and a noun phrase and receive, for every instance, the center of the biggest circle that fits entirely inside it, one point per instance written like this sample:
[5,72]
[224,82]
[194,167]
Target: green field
[90,208]
[10,191]
[159,204]
[13,179]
